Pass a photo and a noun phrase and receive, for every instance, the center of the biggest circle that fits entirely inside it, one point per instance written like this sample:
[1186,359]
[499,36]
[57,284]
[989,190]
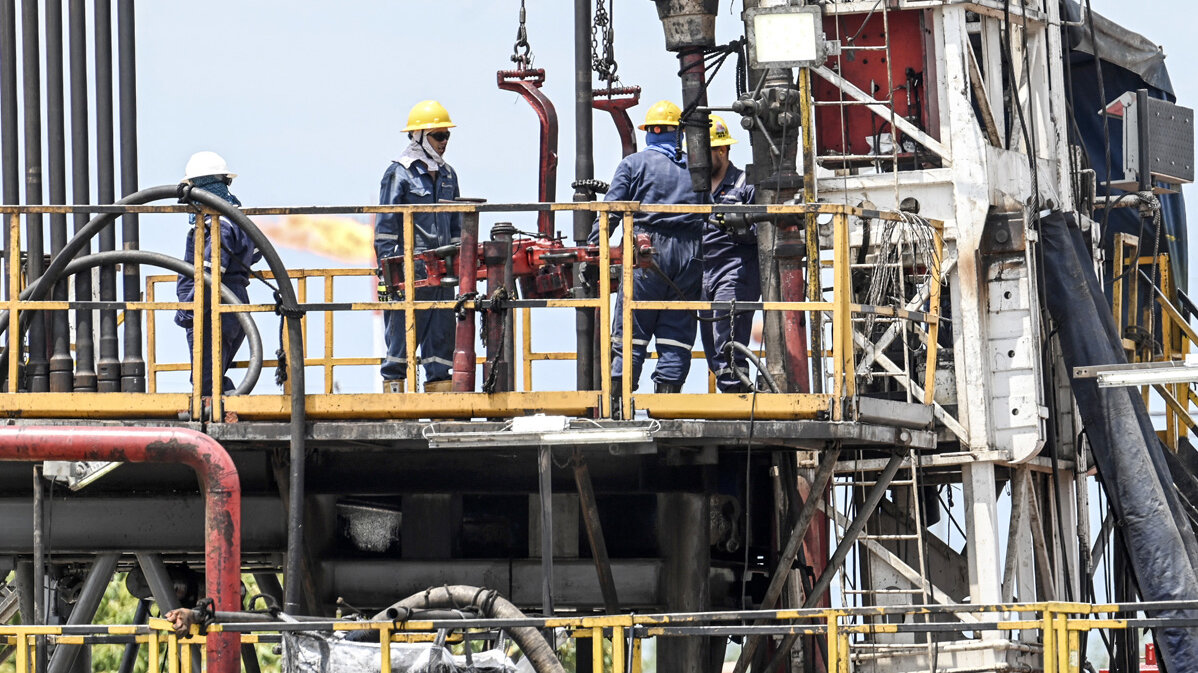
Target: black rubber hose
[752,357]
[183,268]
[289,305]
[492,605]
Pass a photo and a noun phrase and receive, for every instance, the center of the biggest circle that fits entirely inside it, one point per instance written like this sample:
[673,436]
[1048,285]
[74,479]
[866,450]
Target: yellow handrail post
[929,382]
[197,322]
[628,264]
[617,649]
[636,655]
[833,641]
[605,315]
[328,336]
[409,299]
[597,649]
[1050,644]
[172,653]
[385,647]
[842,325]
[152,647]
[22,662]
[14,292]
[218,376]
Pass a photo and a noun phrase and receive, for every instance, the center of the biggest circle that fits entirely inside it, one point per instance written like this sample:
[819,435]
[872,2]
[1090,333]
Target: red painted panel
[874,73]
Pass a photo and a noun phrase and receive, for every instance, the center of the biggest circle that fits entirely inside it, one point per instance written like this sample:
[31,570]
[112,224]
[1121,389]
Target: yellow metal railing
[1050,634]
[839,354]
[1160,322]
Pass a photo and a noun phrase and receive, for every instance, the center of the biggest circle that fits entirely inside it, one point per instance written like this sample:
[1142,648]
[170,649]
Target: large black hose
[491,604]
[183,268]
[288,307]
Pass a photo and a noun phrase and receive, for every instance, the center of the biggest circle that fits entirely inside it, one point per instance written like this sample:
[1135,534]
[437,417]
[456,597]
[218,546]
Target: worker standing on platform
[209,172]
[658,174]
[730,270]
[420,176]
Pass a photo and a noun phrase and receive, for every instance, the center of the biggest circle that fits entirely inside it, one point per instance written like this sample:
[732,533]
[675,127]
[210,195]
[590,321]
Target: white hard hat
[206,163]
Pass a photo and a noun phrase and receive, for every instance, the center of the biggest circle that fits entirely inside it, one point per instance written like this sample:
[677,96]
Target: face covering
[421,149]
[216,185]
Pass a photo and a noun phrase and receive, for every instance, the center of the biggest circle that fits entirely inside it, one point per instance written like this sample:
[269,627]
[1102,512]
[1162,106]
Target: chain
[521,52]
[605,66]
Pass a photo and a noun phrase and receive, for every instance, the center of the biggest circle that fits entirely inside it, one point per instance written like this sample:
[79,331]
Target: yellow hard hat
[663,113]
[720,133]
[428,114]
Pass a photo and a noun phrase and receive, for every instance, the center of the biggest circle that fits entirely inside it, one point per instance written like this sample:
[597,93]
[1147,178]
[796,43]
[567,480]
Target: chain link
[604,65]
[522,54]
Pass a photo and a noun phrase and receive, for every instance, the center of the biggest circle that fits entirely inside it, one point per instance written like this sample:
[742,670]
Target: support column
[981,528]
[682,533]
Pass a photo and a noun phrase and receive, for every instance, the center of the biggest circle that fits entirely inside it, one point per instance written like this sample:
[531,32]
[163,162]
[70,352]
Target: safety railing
[1048,637]
[838,309]
[1153,329]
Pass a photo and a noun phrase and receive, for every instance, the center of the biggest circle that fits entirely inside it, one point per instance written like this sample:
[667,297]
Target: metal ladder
[920,595]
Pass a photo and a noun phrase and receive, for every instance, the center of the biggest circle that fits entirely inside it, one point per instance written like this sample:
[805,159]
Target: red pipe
[793,288]
[464,354]
[616,101]
[528,83]
[218,481]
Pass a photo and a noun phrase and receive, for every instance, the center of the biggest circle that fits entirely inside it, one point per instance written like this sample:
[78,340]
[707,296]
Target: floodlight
[786,36]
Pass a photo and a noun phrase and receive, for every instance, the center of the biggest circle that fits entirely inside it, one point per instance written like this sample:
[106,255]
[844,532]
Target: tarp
[1129,457]
[306,652]
[1129,62]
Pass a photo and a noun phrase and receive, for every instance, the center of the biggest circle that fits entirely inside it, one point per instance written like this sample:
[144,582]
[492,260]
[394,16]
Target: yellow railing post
[385,647]
[328,336]
[629,264]
[14,292]
[604,313]
[1050,641]
[636,655]
[842,325]
[218,375]
[197,322]
[596,649]
[152,647]
[22,662]
[409,299]
[929,381]
[617,649]
[526,348]
[833,642]
[172,653]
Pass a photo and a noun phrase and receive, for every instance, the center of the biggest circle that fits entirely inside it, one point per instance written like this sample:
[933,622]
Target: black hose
[288,307]
[752,357]
[540,654]
[183,268]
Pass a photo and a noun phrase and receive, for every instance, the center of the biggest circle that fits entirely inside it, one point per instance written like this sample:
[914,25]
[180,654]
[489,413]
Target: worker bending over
[658,174]
[420,176]
[730,270]
[209,172]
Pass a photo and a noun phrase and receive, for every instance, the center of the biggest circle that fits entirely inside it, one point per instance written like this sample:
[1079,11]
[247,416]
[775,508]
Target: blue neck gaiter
[213,184]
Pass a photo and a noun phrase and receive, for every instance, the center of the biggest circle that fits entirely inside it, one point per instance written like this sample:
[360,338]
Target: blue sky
[306,100]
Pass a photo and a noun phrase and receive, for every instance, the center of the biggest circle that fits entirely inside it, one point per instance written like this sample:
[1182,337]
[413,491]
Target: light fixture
[1141,374]
[540,430]
[786,36]
[77,474]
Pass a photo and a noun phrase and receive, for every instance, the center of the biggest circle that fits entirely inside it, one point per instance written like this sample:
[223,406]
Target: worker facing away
[420,176]
[209,172]
[658,174]
[730,271]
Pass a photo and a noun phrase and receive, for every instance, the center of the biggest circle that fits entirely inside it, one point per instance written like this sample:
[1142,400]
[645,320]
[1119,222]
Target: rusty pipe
[218,481]
[528,83]
[463,352]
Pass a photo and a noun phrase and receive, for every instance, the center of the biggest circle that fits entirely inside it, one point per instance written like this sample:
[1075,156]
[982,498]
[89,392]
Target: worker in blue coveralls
[420,175]
[730,271]
[659,174]
[209,172]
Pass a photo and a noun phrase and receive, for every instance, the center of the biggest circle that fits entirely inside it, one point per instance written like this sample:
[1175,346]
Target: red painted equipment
[543,267]
[463,354]
[617,101]
[218,480]
[528,83]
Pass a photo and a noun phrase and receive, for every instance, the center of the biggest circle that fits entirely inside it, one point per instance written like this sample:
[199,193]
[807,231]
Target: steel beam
[85,608]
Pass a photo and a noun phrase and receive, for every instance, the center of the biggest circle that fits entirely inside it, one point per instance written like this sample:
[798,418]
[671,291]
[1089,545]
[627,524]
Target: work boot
[663,387]
[442,386]
[394,385]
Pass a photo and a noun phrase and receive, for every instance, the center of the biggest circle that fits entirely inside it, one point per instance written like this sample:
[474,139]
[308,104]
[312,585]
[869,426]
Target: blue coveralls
[654,176]
[434,329]
[238,253]
[730,272]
